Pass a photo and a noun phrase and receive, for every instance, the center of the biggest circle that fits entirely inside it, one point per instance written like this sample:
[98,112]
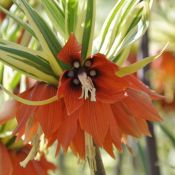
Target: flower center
[88,88]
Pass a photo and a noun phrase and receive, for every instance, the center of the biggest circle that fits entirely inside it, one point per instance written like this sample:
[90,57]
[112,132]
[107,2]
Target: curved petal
[6,166]
[109,87]
[115,133]
[70,94]
[135,83]
[24,112]
[94,119]
[140,105]
[70,51]
[126,121]
[67,130]
[78,143]
[108,145]
[100,60]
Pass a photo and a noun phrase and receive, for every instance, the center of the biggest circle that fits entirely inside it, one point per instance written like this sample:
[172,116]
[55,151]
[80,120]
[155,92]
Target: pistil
[87,87]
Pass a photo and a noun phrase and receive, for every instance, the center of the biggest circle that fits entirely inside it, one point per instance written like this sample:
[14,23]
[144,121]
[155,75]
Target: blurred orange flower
[10,159]
[163,76]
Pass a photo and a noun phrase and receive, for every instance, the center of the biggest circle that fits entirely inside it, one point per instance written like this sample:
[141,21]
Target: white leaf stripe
[46,37]
[27,69]
[56,15]
[33,60]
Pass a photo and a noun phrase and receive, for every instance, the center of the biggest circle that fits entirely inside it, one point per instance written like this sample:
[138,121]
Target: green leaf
[138,65]
[56,15]
[81,13]
[126,23]
[71,15]
[120,58]
[88,32]
[114,24]
[135,28]
[25,62]
[30,102]
[14,80]
[168,134]
[45,35]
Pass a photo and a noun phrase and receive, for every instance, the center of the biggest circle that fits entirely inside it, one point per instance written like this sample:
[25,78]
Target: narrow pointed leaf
[138,65]
[30,102]
[45,35]
[88,32]
[56,15]
[71,15]
[32,65]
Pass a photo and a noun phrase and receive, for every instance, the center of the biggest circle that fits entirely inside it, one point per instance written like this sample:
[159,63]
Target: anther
[76,64]
[76,81]
[92,73]
[88,63]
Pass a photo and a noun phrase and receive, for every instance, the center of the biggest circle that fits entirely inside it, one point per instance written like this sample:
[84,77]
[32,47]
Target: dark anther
[76,64]
[70,74]
[93,73]
[88,63]
[76,81]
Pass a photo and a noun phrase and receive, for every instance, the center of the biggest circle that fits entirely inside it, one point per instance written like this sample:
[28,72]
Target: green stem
[100,170]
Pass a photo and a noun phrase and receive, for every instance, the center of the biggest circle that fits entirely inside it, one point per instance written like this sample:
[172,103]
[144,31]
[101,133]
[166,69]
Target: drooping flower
[10,162]
[93,106]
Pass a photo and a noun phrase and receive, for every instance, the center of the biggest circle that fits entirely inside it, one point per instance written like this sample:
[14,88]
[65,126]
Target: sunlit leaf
[139,65]
[45,35]
[32,65]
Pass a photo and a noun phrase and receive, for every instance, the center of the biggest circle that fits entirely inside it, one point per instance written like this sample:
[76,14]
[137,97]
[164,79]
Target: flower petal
[70,51]
[67,130]
[125,120]
[6,167]
[135,83]
[94,119]
[71,95]
[108,145]
[78,143]
[140,105]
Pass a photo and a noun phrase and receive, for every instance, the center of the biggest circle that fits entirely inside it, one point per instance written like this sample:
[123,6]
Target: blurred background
[161,75]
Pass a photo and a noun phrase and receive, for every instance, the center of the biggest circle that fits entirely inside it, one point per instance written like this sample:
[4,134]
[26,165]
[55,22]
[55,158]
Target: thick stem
[150,141]
[119,165]
[100,170]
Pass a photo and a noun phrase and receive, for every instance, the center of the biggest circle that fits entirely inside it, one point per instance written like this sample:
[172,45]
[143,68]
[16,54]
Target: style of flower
[93,106]
[10,159]
[163,74]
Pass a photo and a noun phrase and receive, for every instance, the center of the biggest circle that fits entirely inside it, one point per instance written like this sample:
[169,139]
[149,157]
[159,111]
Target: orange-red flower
[10,159]
[92,100]
[163,76]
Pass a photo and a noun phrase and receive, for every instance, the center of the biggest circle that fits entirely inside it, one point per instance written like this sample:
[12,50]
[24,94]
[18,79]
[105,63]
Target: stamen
[34,150]
[76,64]
[87,86]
